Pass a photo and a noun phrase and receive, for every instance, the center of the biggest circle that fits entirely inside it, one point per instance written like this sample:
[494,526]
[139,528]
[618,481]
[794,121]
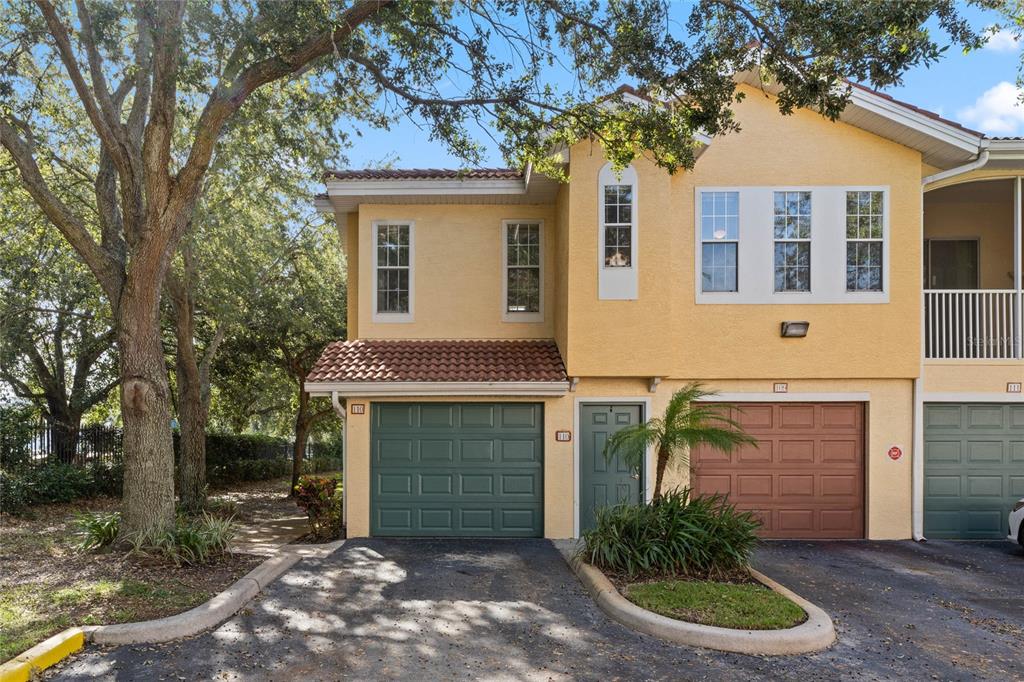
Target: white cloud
[1002,40]
[998,111]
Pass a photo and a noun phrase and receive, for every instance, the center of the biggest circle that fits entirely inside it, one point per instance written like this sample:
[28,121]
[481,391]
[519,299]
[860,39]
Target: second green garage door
[457,469]
[973,468]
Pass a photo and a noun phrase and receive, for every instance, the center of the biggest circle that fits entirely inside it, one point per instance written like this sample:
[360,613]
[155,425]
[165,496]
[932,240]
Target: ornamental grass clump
[674,535]
[190,541]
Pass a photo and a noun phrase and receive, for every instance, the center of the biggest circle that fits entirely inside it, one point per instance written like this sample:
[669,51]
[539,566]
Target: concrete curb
[48,652]
[204,616]
[814,634]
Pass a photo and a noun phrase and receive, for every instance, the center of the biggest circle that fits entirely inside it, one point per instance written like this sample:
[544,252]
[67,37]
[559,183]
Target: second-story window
[864,225]
[719,233]
[618,226]
[523,259]
[792,232]
[393,268]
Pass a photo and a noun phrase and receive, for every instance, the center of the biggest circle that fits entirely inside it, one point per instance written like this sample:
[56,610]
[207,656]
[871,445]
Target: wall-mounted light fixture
[795,329]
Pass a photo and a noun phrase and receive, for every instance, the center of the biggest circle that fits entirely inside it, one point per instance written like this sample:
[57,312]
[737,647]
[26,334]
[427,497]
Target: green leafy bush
[14,495]
[191,541]
[236,471]
[321,465]
[15,434]
[675,535]
[320,498]
[55,482]
[229,447]
[97,529]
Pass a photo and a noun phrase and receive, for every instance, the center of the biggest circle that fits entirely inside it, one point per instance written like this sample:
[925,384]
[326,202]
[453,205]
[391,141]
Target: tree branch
[107,271]
[103,127]
[231,93]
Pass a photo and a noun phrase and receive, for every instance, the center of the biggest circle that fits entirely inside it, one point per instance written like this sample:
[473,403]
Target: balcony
[981,324]
[972,267]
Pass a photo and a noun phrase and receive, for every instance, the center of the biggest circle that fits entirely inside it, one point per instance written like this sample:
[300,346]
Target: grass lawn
[46,585]
[744,606]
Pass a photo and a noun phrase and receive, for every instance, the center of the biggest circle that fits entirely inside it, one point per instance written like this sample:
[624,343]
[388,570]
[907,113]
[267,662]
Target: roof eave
[373,389]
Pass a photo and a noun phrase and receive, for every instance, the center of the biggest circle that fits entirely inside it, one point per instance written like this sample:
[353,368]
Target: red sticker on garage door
[895,452]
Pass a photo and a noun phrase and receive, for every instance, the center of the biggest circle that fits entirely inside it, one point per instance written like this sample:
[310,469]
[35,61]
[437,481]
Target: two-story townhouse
[852,287]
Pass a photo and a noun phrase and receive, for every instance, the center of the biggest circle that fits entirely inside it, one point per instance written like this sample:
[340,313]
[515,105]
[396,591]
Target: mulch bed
[46,584]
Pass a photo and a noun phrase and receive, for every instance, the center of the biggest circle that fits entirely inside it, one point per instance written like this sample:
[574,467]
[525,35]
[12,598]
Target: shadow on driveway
[511,610]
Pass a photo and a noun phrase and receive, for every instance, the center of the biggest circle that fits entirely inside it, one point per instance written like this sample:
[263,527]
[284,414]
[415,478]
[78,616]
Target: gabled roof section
[943,143]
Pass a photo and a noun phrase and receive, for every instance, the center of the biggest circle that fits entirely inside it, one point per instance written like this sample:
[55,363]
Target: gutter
[959,170]
[339,409]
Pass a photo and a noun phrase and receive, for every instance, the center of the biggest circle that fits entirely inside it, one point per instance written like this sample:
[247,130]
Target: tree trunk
[302,424]
[64,429]
[192,417]
[148,500]
[193,402]
[659,472]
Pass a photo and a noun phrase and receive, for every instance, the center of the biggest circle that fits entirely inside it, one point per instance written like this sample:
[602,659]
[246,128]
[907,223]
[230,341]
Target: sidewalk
[270,538]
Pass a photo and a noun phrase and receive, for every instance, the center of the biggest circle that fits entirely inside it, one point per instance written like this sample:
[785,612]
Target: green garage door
[973,468]
[457,469]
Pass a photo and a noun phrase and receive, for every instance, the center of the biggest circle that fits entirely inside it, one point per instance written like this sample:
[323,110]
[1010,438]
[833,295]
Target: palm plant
[687,423]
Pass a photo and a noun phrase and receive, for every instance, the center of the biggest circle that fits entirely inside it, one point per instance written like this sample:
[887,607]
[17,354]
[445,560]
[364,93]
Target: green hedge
[25,486]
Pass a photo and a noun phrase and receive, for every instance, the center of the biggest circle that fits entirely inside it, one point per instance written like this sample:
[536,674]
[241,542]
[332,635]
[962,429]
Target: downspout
[339,409]
[917,428]
[959,170]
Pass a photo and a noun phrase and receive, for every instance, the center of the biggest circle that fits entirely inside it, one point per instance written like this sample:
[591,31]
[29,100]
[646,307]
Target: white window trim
[394,317]
[507,316]
[618,283]
[756,274]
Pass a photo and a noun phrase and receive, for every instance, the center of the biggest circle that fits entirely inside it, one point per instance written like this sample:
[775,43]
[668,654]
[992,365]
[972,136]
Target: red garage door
[806,477]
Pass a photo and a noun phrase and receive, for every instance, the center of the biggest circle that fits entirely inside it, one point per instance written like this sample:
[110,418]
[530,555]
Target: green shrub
[16,425]
[228,447]
[675,535]
[97,529]
[321,465]
[321,498]
[14,496]
[240,470]
[191,541]
[55,482]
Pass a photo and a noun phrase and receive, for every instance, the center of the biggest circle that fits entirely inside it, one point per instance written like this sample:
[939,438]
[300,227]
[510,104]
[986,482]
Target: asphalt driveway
[511,610]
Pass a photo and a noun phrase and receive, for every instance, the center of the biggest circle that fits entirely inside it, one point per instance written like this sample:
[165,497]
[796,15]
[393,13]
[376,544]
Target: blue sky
[978,90]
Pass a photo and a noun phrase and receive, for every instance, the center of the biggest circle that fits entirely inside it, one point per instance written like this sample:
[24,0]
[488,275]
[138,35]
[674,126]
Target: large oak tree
[132,67]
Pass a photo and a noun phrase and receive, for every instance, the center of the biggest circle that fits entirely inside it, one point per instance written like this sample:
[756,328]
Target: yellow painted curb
[42,655]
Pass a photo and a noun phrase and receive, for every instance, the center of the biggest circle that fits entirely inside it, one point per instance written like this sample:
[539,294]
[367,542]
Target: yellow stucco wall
[667,333]
[976,376]
[457,272]
[889,421]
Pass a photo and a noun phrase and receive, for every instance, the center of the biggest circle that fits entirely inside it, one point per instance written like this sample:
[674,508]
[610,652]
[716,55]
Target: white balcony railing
[981,324]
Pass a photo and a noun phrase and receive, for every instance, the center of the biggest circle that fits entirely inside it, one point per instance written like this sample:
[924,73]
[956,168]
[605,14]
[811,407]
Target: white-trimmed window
[618,247]
[392,269]
[865,218]
[523,259]
[618,226]
[720,234]
[792,231]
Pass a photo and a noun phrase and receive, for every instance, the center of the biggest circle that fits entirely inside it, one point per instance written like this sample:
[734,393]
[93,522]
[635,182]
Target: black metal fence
[94,444]
[45,443]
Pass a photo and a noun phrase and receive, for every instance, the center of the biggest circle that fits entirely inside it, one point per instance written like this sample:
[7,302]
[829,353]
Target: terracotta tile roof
[402,360]
[423,174]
